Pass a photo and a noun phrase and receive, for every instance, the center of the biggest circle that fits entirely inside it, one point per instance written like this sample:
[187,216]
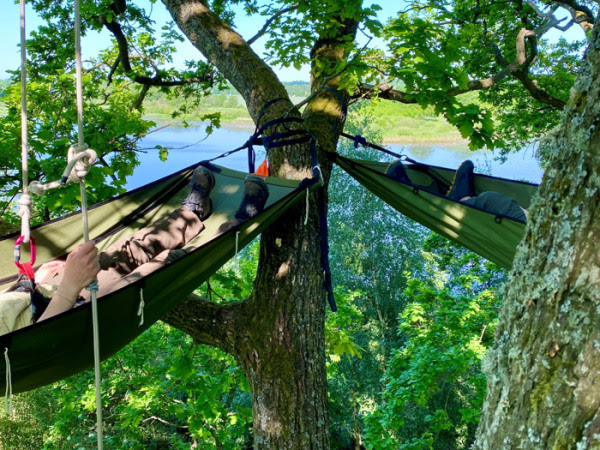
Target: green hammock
[62,345]
[490,235]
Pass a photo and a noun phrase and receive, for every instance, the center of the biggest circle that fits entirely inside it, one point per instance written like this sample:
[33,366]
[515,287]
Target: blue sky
[10,36]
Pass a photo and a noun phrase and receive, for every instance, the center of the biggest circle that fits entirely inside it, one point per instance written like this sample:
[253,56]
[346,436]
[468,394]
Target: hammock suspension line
[140,311]
[8,393]
[80,158]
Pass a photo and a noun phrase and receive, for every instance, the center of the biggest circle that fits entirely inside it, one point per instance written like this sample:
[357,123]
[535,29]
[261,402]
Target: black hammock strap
[361,141]
[280,139]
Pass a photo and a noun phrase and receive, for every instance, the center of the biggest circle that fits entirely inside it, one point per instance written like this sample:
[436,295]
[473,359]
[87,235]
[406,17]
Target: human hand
[80,270]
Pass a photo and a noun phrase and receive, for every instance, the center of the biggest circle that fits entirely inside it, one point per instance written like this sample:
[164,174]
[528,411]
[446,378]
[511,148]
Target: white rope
[81,148]
[79,162]
[25,213]
[307,208]
[79,75]
[237,259]
[8,393]
[25,199]
[321,180]
[140,312]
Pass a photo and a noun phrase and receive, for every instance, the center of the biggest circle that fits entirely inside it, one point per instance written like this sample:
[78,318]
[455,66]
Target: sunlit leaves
[434,388]
[436,48]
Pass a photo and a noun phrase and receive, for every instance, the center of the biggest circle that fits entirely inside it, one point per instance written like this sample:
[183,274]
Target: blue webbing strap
[325,250]
[359,140]
[264,108]
[339,97]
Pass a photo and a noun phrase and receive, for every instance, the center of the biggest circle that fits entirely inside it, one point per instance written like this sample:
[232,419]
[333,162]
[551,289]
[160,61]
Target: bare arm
[81,269]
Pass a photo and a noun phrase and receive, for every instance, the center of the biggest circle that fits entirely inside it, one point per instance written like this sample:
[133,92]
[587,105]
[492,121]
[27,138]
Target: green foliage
[113,111]
[434,388]
[415,317]
[427,60]
[411,313]
[522,118]
[163,391]
[111,129]
[372,246]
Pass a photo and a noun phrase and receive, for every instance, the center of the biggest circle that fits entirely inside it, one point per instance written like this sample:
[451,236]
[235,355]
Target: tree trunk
[544,370]
[277,335]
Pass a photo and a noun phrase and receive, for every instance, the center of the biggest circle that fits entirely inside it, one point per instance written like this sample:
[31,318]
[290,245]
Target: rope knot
[80,158]
[37,188]
[25,205]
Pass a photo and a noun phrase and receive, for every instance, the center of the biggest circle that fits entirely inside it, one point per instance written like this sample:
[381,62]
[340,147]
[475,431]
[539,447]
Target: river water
[185,149]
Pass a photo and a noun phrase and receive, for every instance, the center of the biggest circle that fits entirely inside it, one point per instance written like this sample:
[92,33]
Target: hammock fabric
[492,236]
[62,345]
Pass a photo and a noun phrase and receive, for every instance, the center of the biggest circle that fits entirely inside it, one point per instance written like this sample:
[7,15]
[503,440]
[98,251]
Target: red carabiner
[25,268]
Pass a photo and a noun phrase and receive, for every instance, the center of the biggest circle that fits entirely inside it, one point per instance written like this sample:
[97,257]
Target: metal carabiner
[25,268]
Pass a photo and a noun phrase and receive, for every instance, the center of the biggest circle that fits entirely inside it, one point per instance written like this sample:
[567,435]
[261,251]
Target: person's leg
[397,171]
[497,203]
[171,232]
[462,185]
[110,280]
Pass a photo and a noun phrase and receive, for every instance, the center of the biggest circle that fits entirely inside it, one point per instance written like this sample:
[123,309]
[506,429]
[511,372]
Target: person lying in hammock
[64,282]
[462,191]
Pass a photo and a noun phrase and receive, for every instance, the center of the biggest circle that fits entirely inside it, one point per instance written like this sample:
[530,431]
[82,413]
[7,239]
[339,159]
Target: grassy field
[410,123]
[396,122]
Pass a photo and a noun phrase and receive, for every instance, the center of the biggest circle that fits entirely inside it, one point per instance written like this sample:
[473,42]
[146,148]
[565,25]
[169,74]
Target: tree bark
[544,370]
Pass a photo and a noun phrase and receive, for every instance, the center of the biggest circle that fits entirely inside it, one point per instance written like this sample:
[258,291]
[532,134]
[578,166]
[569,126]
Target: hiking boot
[198,200]
[397,171]
[256,193]
[462,185]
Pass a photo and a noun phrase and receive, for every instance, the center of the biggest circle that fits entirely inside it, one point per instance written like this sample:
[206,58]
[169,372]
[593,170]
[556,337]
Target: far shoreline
[246,124]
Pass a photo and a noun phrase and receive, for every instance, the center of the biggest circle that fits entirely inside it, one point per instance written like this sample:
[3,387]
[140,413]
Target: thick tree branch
[206,322]
[518,68]
[581,14]
[123,58]
[268,23]
[230,53]
[140,100]
[539,94]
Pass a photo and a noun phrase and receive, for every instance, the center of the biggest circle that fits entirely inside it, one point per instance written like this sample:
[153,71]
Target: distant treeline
[394,121]
[228,103]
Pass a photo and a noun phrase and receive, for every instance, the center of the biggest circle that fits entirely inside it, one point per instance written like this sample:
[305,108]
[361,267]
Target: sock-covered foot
[462,185]
[198,200]
[397,171]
